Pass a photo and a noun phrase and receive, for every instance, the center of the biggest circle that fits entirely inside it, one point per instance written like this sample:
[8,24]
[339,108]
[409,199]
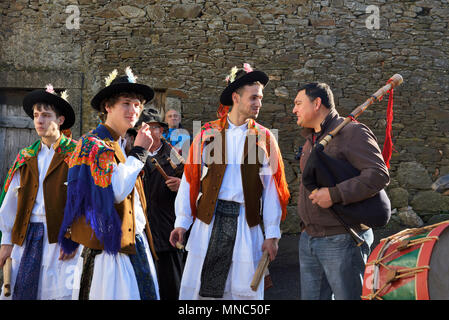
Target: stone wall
[186,49]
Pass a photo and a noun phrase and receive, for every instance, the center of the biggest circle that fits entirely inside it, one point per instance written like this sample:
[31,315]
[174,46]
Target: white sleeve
[272,210]
[182,205]
[124,177]
[8,209]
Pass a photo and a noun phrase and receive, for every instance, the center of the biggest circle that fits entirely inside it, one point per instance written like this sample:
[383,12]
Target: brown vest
[55,195]
[252,186]
[82,233]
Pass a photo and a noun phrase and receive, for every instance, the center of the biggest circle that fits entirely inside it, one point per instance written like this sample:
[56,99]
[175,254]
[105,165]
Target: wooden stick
[159,168]
[260,271]
[179,245]
[177,155]
[394,81]
[7,277]
[173,165]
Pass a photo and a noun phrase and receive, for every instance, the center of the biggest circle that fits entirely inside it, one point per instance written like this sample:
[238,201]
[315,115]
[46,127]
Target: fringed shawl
[90,193]
[265,140]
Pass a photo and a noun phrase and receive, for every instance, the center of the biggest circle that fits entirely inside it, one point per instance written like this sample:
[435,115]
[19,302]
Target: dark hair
[110,101]
[319,90]
[43,105]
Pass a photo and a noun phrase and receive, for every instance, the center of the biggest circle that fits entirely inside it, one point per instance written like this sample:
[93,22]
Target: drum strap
[395,274]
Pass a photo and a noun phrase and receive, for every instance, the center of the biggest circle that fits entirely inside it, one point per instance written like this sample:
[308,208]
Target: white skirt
[56,276]
[246,255]
[113,277]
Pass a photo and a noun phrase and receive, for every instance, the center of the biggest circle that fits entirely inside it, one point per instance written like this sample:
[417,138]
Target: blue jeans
[332,267]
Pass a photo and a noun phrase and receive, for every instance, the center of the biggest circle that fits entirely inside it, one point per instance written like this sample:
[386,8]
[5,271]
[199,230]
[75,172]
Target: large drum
[410,265]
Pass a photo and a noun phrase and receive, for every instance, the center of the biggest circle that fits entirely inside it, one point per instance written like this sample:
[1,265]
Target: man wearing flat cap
[233,181]
[106,205]
[32,204]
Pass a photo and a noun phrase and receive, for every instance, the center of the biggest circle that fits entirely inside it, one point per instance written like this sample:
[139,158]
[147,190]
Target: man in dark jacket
[160,195]
[331,265]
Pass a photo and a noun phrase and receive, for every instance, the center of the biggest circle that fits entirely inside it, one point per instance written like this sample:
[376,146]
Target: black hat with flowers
[49,96]
[238,78]
[122,84]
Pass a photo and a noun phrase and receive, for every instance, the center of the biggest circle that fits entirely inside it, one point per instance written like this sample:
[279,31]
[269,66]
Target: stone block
[398,197]
[185,11]
[131,12]
[430,202]
[413,175]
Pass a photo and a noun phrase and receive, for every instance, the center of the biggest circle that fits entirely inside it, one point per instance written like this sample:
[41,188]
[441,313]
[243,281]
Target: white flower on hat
[131,77]
[231,77]
[64,95]
[111,77]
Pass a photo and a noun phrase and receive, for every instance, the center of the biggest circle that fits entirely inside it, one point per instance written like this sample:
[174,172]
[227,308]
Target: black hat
[239,78]
[150,115]
[50,97]
[121,85]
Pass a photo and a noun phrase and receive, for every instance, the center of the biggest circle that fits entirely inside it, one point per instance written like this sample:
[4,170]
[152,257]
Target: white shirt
[44,158]
[9,207]
[231,188]
[248,242]
[123,180]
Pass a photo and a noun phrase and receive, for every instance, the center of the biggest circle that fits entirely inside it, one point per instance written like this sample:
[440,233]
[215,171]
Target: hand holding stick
[7,277]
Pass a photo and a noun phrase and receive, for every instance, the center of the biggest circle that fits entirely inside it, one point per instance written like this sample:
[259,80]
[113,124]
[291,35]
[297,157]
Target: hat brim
[112,89]
[42,96]
[162,124]
[226,95]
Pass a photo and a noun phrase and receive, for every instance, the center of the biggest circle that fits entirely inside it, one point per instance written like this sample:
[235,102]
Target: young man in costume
[330,262]
[160,196]
[32,204]
[106,205]
[233,180]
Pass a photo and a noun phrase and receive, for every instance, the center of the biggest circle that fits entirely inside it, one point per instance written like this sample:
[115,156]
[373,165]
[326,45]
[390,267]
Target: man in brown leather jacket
[330,262]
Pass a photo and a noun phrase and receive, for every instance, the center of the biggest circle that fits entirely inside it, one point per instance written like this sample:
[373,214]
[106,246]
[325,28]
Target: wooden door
[16,128]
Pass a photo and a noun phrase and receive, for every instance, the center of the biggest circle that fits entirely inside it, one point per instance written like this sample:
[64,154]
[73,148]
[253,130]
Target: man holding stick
[331,264]
[233,180]
[106,204]
[32,204]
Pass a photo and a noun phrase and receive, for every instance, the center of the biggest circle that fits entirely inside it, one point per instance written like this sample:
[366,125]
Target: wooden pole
[7,277]
[260,271]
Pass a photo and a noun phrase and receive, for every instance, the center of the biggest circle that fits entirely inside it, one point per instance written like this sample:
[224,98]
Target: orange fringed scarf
[265,139]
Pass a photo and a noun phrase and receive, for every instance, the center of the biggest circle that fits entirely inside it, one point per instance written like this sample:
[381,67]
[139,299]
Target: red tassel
[388,144]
